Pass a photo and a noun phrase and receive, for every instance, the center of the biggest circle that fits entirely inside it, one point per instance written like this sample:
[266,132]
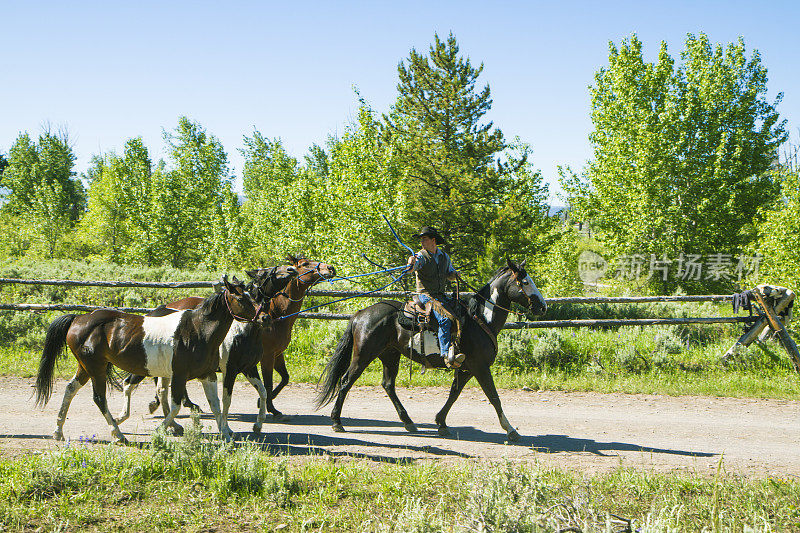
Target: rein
[489,300]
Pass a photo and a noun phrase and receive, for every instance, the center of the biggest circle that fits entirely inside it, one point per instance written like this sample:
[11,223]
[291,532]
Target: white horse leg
[210,388]
[162,390]
[262,405]
[72,389]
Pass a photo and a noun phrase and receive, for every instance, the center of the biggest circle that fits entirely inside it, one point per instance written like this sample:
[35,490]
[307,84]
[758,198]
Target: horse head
[240,303]
[310,272]
[521,289]
[267,282]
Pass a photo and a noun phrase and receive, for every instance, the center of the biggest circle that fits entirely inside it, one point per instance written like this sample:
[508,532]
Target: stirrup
[454,360]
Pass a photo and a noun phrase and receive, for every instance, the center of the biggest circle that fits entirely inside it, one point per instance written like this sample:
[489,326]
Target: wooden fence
[390,294]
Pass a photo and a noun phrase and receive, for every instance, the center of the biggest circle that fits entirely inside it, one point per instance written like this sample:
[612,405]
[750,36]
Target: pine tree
[456,172]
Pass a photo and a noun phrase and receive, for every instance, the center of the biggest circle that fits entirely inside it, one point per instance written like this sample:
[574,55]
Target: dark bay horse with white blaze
[181,346]
[374,332]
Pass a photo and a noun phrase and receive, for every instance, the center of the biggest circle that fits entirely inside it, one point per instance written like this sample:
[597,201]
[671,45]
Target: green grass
[632,360]
[195,484]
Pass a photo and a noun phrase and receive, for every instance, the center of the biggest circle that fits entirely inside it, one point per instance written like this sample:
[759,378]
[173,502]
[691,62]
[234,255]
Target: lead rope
[345,298]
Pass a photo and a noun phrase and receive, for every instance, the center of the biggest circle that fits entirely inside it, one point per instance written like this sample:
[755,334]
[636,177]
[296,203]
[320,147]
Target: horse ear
[225,282]
[251,273]
[524,263]
[511,265]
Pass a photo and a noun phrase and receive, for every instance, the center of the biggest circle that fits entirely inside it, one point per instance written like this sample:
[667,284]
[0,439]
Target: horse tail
[54,343]
[336,368]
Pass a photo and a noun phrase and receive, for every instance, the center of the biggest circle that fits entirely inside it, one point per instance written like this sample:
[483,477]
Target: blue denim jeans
[444,327]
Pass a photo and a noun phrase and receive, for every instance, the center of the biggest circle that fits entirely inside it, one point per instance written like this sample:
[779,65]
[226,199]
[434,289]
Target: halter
[283,291]
[234,315]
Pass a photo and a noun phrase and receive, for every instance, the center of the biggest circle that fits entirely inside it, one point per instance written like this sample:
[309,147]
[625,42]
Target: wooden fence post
[760,325]
[775,323]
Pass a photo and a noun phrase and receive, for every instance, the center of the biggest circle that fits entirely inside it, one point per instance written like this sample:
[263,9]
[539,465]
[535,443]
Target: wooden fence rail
[344,294]
[390,294]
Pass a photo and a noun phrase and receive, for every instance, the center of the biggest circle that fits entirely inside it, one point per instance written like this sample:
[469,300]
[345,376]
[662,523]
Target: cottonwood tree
[43,192]
[682,154]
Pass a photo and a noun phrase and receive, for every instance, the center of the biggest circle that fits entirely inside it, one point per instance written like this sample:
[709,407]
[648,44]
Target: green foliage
[43,195]
[779,235]
[458,172]
[681,155]
[181,213]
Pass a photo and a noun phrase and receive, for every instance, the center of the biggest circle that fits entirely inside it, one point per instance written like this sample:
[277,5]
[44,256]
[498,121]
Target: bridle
[234,315]
[489,300]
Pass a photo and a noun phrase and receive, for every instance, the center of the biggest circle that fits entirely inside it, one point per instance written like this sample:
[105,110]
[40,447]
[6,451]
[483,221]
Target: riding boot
[453,359]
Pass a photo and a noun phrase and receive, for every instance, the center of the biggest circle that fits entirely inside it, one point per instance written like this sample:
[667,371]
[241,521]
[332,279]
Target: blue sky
[111,71]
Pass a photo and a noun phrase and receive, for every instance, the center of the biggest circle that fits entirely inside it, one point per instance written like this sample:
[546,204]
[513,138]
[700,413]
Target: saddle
[417,316]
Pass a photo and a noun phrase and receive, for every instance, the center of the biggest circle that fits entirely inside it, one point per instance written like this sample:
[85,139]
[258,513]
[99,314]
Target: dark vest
[432,277]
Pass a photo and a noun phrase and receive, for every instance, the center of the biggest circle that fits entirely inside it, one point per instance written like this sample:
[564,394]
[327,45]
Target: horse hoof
[176,430]
[338,428]
[443,431]
[120,441]
[152,406]
[277,416]
[411,427]
[514,436]
[256,428]
[57,435]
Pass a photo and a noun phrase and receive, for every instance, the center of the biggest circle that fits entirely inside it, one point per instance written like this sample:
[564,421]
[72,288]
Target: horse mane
[484,291]
[212,304]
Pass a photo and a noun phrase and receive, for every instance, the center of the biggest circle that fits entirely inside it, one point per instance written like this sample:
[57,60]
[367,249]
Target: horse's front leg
[460,379]
[252,376]
[391,364]
[484,376]
[228,381]
[162,393]
[283,372]
[267,366]
[210,388]
[177,390]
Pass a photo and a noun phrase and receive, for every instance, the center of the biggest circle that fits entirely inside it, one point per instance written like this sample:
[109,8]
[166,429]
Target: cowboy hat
[430,232]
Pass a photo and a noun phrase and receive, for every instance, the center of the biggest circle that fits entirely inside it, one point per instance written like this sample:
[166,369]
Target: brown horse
[276,340]
[181,346]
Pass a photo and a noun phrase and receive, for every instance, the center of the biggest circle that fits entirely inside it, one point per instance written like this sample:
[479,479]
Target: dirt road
[587,431]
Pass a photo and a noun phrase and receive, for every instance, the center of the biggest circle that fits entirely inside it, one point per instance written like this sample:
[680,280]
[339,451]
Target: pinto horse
[237,355]
[247,344]
[374,332]
[181,346]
